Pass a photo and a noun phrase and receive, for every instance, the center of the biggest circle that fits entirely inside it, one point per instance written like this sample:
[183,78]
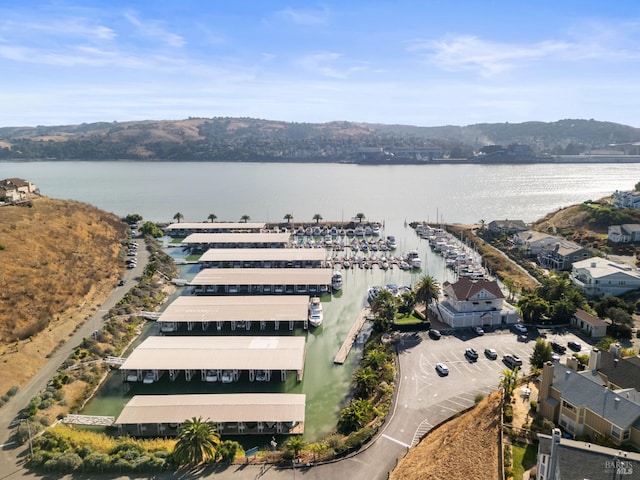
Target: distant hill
[249,139]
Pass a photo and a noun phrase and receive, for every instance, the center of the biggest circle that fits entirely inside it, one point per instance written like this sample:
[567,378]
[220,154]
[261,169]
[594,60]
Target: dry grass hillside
[464,448]
[57,258]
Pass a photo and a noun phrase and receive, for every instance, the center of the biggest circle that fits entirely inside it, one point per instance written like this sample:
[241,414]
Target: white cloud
[305,17]
[329,64]
[155,30]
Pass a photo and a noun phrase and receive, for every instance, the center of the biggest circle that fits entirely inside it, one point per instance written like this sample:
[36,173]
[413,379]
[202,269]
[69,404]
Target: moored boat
[315,312]
[336,280]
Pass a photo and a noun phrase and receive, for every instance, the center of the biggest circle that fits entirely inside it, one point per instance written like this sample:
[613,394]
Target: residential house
[599,276]
[508,227]
[592,326]
[626,199]
[626,233]
[471,303]
[566,459]
[532,243]
[562,255]
[582,405]
[15,190]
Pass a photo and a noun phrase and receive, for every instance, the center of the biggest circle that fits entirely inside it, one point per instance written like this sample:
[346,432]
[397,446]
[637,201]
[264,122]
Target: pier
[351,337]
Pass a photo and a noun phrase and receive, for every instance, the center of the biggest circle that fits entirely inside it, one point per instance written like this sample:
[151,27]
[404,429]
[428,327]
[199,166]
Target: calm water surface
[266,192]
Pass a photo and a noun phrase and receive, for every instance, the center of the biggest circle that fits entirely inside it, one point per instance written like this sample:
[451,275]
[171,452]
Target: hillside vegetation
[249,139]
[56,259]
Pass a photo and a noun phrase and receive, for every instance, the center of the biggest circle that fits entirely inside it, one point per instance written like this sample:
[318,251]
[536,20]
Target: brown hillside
[464,448]
[56,257]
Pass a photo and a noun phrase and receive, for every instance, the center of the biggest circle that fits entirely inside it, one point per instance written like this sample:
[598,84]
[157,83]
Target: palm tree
[245,218]
[360,217]
[288,217]
[178,216]
[427,290]
[295,444]
[508,381]
[366,381]
[356,415]
[317,217]
[197,442]
[211,217]
[482,222]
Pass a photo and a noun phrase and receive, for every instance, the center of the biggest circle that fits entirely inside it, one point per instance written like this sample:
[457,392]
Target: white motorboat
[315,312]
[413,259]
[336,280]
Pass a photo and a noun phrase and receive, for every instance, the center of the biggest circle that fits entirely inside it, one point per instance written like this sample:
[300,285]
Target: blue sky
[422,63]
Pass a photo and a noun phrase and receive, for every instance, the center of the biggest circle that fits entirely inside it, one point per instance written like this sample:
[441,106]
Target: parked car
[490,353]
[471,354]
[520,328]
[479,330]
[442,369]
[122,282]
[575,346]
[435,334]
[556,347]
[512,361]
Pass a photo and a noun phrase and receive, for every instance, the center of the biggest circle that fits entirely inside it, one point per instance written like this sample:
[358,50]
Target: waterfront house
[508,227]
[592,326]
[474,303]
[626,233]
[531,242]
[561,255]
[15,190]
[599,276]
[626,199]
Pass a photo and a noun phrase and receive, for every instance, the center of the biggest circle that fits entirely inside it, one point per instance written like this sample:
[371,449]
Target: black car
[121,282]
[512,361]
[435,334]
[556,347]
[471,354]
[575,346]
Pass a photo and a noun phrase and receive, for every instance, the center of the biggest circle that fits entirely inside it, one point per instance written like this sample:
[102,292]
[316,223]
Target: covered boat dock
[235,311]
[201,242]
[215,359]
[263,258]
[183,229]
[262,281]
[233,414]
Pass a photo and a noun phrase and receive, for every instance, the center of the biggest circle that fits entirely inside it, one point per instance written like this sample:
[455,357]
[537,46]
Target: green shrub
[478,398]
[12,391]
[508,413]
[65,462]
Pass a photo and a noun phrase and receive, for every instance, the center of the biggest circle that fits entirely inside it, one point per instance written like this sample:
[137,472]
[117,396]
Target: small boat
[375,229]
[336,280]
[315,312]
[391,242]
[413,259]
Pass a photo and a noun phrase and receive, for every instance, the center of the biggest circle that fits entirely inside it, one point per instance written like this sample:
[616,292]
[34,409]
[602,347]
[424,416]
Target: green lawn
[411,319]
[524,457]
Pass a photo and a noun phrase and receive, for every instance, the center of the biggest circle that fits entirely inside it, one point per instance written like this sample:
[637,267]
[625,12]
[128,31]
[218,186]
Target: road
[9,412]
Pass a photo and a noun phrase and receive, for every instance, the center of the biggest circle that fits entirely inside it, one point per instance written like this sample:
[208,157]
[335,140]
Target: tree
[245,218]
[317,217]
[532,307]
[541,354]
[150,228]
[212,217]
[508,381]
[427,290]
[383,306]
[133,218]
[562,311]
[295,444]
[288,217]
[178,216]
[482,222]
[366,381]
[197,442]
[355,416]
[510,285]
[360,217]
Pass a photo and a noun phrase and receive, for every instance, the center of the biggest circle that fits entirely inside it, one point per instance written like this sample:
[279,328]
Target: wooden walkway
[351,337]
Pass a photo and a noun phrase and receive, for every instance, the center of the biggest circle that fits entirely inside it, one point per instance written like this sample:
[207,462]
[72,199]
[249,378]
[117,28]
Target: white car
[520,328]
[442,369]
[478,330]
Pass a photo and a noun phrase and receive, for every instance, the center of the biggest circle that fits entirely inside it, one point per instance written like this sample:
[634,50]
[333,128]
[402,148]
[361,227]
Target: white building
[626,233]
[626,199]
[471,303]
[598,276]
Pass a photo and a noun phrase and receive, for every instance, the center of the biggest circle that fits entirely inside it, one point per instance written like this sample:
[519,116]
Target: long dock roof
[233,407]
[224,353]
[252,308]
[264,254]
[263,276]
[213,238]
[215,226]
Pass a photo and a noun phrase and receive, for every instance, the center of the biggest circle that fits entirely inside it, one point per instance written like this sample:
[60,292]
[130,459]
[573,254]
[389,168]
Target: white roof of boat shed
[264,254]
[252,308]
[263,276]
[240,238]
[232,407]
[223,353]
[215,226]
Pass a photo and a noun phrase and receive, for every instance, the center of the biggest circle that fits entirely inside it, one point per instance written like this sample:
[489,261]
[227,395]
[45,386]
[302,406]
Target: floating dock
[351,336]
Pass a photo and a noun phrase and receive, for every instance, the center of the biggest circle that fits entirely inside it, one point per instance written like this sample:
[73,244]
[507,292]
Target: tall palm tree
[360,217]
[245,218]
[212,217]
[508,381]
[197,442]
[288,217]
[427,290]
[317,217]
[178,216]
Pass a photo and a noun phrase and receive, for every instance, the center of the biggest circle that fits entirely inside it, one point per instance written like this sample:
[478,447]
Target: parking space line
[396,441]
